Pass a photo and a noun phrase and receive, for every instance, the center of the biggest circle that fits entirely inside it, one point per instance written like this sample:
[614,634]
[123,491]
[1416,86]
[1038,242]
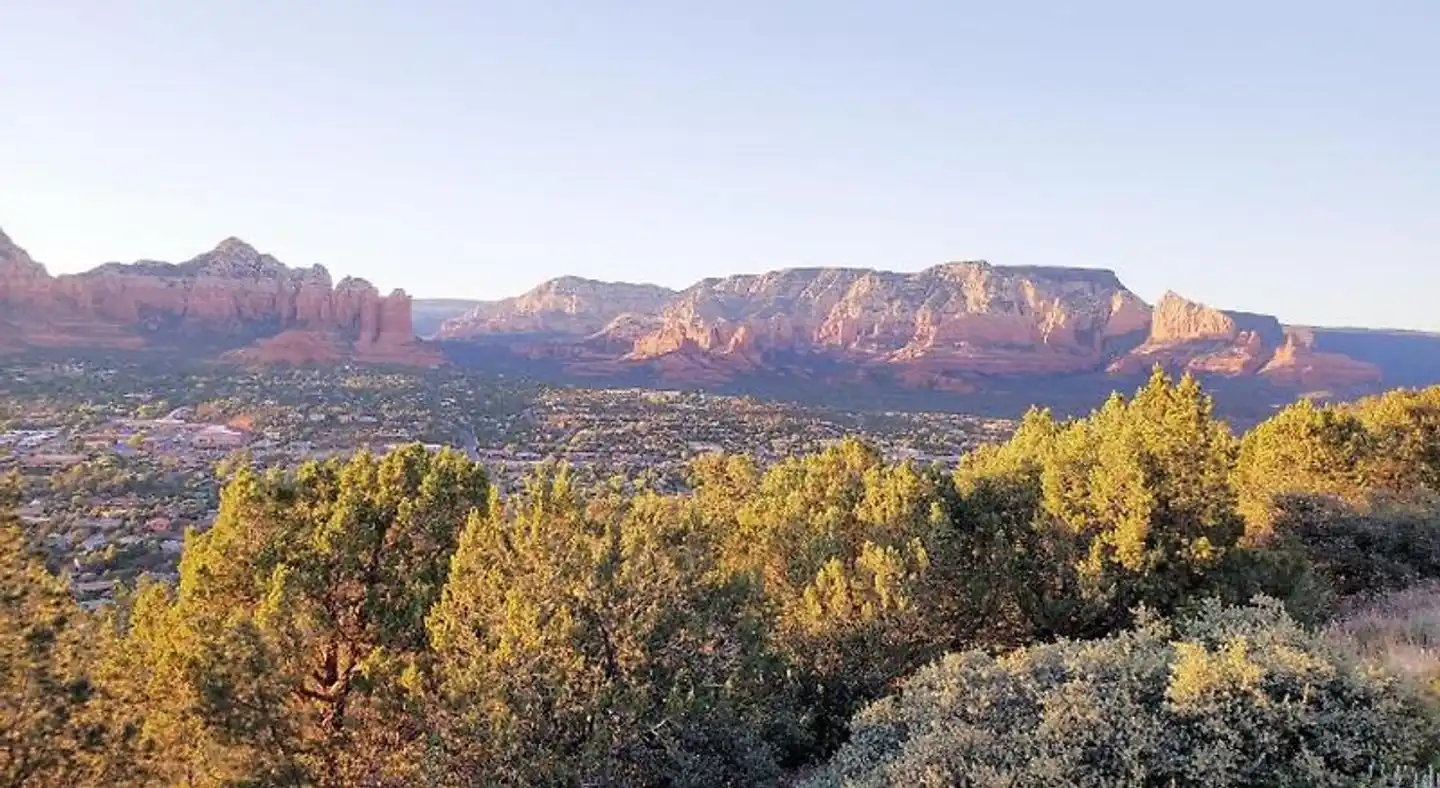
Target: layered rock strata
[230,295]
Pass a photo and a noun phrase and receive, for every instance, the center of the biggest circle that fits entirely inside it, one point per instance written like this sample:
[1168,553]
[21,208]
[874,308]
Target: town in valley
[119,458]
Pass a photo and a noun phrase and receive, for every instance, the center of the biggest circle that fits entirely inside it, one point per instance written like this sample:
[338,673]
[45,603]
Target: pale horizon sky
[1272,155]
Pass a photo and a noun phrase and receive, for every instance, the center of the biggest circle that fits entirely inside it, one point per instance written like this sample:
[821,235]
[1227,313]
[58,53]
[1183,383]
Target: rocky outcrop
[1186,336]
[292,347]
[21,278]
[34,311]
[230,295]
[942,328]
[1404,358]
[565,307]
[959,317]
[1298,363]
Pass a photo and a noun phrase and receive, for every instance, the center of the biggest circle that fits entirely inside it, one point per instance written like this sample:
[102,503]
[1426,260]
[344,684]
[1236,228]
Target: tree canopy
[1061,607]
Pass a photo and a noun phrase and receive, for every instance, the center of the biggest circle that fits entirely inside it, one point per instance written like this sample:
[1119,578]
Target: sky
[1266,155]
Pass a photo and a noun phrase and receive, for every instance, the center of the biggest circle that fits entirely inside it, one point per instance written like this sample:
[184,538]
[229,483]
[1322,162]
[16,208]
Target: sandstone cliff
[943,328]
[19,275]
[565,307]
[954,318]
[1298,363]
[1186,336]
[232,294]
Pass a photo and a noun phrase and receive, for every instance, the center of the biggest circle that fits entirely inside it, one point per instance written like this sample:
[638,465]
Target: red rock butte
[947,327]
[230,296]
[943,327]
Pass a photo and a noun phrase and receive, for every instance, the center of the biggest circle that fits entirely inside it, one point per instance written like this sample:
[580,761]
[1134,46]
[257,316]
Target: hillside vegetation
[1138,597]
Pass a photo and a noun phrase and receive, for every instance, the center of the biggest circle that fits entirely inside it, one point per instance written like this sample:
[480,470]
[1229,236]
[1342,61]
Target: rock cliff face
[230,295]
[19,275]
[943,328]
[946,328]
[33,311]
[953,318]
[1298,363]
[1186,336]
[568,306]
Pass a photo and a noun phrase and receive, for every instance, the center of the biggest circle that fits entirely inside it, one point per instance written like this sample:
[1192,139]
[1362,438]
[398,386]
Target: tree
[1376,546]
[45,733]
[1387,446]
[598,644]
[1304,450]
[1404,426]
[859,567]
[1132,505]
[280,658]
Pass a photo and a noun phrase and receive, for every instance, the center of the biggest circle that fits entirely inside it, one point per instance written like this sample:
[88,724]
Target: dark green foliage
[1376,547]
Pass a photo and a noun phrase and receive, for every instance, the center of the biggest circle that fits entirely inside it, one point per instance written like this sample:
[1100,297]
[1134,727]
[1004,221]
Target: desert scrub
[1399,630]
[1232,697]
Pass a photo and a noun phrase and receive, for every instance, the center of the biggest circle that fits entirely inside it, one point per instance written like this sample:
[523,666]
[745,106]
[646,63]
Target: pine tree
[1304,450]
[598,644]
[45,735]
[859,564]
[1131,505]
[281,658]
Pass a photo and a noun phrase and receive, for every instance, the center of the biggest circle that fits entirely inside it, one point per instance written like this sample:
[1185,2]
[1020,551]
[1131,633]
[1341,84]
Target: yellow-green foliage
[1131,505]
[1303,450]
[598,645]
[1235,697]
[278,659]
[389,621]
[46,735]
[1404,426]
[856,558]
[1388,445]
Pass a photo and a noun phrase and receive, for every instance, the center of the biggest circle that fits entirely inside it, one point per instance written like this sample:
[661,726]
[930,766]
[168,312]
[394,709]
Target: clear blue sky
[1270,155]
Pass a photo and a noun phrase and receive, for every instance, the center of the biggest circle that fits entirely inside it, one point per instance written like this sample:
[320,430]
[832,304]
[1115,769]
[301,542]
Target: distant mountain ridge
[230,296]
[567,306]
[429,314]
[948,326]
[959,327]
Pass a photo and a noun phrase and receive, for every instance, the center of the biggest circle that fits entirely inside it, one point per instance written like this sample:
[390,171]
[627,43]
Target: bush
[1232,697]
[1377,546]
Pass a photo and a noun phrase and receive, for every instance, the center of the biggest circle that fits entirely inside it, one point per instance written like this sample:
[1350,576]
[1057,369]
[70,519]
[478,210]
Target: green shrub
[1375,546]
[1232,697]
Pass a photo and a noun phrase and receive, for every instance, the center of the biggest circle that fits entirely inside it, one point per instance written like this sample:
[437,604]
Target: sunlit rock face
[230,293]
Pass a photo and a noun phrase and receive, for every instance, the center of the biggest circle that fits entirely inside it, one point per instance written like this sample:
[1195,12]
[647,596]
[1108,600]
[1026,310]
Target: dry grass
[1400,630]
[1428,778]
